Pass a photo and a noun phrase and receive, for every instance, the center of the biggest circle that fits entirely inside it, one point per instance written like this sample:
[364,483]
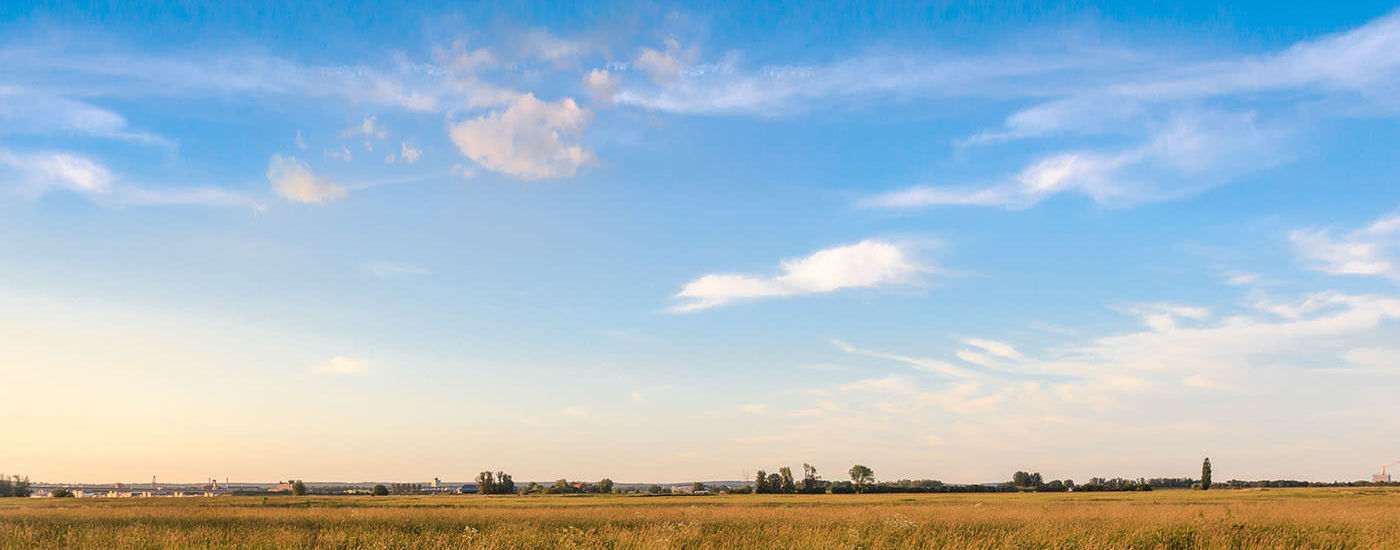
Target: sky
[674,242]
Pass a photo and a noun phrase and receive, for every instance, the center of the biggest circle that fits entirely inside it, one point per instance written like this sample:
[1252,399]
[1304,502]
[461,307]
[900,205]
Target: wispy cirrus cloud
[36,173]
[1189,125]
[1373,250]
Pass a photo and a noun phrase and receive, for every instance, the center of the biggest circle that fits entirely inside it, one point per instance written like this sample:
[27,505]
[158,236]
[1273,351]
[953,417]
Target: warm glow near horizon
[666,245]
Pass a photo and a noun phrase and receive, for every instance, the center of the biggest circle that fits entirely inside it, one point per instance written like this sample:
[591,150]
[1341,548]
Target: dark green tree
[697,487]
[379,490]
[760,482]
[811,482]
[504,484]
[605,486]
[787,485]
[298,488]
[1205,474]
[1021,479]
[861,476]
[61,493]
[486,483]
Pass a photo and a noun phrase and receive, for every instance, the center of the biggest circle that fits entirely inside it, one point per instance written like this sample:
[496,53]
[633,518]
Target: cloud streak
[867,264]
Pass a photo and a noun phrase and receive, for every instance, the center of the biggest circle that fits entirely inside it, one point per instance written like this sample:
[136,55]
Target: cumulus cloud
[867,264]
[663,67]
[410,154]
[1367,251]
[292,179]
[343,366]
[601,86]
[532,139]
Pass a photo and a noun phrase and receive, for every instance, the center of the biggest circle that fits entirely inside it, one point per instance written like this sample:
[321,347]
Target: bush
[61,493]
[379,491]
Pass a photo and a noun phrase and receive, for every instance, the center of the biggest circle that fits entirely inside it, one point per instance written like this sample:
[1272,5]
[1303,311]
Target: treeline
[14,486]
[1263,483]
[498,483]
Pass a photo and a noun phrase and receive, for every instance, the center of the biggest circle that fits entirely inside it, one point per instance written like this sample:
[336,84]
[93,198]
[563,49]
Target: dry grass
[1273,518]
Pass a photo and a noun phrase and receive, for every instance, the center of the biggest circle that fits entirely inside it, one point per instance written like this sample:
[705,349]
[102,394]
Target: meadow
[1258,518]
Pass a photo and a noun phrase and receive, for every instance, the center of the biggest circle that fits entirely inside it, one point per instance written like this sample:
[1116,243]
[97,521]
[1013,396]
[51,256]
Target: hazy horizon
[666,241]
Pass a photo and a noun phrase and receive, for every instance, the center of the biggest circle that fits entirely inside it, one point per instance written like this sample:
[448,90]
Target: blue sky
[674,242]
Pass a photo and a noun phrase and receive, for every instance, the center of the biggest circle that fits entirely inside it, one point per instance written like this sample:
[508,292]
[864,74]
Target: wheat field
[1261,518]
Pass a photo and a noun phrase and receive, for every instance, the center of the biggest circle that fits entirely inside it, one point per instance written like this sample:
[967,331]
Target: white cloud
[39,173]
[1191,152]
[1242,278]
[601,86]
[343,366]
[574,411]
[999,349]
[30,111]
[409,154]
[292,179]
[754,408]
[301,141]
[890,384]
[342,154]
[867,264]
[664,67]
[531,139]
[391,269]
[931,365]
[369,129]
[1373,357]
[1367,251]
[56,169]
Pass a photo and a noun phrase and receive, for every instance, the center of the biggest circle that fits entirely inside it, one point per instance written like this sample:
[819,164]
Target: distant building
[1380,478]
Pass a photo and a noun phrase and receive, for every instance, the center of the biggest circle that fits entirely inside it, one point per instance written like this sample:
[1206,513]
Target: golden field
[1259,518]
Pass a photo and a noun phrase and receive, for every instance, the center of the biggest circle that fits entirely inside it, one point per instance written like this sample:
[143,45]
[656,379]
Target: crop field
[1260,518]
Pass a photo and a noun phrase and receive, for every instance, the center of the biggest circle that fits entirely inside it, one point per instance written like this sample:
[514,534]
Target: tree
[379,490]
[811,482]
[698,487]
[61,493]
[605,486]
[760,482]
[504,484]
[486,483]
[1023,479]
[1205,475]
[786,484]
[861,476]
[561,486]
[775,483]
[298,488]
